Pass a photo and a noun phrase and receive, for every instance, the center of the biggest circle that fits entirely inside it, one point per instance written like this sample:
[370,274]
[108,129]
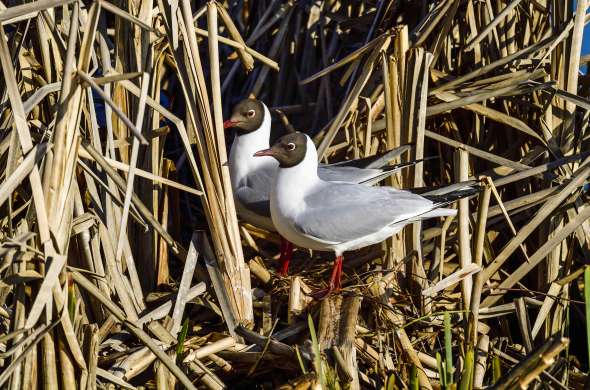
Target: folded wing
[339,212]
[253,192]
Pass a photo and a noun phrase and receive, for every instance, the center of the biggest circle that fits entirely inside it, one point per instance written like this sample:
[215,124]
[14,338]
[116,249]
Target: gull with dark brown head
[251,177]
[329,216]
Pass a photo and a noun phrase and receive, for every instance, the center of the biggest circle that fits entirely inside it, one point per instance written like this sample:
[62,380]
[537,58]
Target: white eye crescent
[251,113]
[291,146]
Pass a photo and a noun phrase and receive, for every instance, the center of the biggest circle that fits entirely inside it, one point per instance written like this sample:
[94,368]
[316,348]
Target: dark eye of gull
[251,113]
[291,146]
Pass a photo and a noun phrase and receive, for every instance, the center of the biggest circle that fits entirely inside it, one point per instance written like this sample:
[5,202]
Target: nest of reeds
[123,262]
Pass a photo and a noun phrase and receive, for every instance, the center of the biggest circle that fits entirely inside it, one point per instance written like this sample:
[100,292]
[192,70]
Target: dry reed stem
[95,95]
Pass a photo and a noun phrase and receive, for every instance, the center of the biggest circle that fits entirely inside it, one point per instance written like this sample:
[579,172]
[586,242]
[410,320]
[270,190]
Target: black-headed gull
[317,214]
[251,177]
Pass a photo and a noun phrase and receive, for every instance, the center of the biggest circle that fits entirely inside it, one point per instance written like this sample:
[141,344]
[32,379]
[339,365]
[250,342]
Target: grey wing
[254,201]
[254,192]
[347,174]
[339,212]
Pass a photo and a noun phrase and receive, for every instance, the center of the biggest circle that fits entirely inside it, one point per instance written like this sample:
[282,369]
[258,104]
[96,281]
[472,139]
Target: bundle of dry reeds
[122,260]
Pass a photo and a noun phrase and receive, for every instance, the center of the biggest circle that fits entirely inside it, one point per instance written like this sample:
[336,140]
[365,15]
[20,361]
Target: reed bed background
[123,263]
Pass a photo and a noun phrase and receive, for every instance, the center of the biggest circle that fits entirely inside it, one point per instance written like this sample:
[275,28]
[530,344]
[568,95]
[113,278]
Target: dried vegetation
[122,261]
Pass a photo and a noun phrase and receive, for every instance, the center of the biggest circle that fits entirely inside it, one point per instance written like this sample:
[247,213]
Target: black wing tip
[470,189]
[440,189]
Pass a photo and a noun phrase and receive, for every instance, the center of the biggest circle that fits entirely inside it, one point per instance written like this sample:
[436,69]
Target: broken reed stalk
[462,174]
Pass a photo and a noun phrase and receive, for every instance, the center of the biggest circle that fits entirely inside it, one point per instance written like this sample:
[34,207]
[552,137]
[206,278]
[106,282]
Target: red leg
[335,280]
[335,284]
[286,254]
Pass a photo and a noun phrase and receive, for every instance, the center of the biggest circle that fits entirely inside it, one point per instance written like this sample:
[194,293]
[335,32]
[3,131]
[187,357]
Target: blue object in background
[585,43]
[99,105]
[101,117]
[586,46]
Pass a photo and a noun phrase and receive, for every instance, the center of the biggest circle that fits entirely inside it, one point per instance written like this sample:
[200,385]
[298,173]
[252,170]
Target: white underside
[288,231]
[291,234]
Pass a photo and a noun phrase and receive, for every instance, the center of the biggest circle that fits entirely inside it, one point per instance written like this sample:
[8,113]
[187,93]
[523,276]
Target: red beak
[229,123]
[264,152]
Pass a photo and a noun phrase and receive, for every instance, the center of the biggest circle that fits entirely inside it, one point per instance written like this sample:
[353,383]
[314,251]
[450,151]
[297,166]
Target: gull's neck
[241,157]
